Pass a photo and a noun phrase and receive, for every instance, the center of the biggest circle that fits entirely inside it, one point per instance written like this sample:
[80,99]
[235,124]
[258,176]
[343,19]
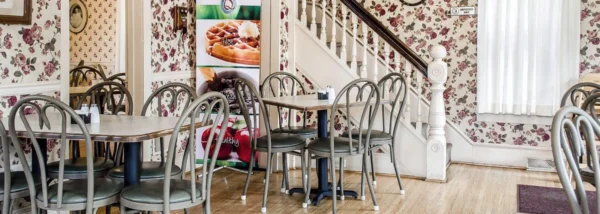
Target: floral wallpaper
[31,53]
[284,35]
[172,51]
[424,26]
[97,42]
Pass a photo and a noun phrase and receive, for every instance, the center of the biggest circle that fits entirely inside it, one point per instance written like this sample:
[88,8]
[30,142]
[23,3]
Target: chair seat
[79,165]
[280,140]
[18,182]
[75,191]
[151,192]
[150,170]
[340,144]
[377,136]
[299,130]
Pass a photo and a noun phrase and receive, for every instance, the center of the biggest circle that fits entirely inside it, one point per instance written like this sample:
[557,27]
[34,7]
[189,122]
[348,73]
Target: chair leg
[122,209]
[205,208]
[341,179]
[375,206]
[269,167]
[107,211]
[252,160]
[11,206]
[303,168]
[333,183]
[372,168]
[362,183]
[268,171]
[95,210]
[285,184]
[396,170]
[308,185]
[186,211]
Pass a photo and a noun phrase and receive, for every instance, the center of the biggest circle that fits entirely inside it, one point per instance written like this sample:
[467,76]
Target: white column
[436,141]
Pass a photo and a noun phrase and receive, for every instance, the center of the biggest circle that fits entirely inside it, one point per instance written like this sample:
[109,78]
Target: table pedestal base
[320,194]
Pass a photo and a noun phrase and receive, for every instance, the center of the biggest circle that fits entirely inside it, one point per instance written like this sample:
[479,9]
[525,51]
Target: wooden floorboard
[470,189]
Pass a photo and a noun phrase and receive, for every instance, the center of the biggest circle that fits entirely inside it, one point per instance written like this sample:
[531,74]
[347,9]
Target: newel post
[436,141]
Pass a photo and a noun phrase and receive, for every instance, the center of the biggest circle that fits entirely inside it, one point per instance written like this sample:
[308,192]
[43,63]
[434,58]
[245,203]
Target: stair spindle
[353,64]
[333,26]
[375,57]
[343,53]
[313,14]
[386,55]
[397,62]
[324,21]
[408,73]
[419,125]
[303,14]
[363,69]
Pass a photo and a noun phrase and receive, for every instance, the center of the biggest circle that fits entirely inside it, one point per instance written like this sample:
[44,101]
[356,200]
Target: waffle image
[224,42]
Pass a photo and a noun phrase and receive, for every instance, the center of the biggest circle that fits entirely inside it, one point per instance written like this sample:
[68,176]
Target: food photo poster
[228,47]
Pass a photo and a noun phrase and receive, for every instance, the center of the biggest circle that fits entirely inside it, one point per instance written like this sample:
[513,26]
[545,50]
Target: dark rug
[535,199]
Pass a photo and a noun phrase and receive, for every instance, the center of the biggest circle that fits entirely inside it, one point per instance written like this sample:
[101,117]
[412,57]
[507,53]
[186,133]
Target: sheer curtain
[528,55]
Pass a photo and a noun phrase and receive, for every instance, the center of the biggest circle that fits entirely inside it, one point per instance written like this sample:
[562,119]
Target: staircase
[343,39]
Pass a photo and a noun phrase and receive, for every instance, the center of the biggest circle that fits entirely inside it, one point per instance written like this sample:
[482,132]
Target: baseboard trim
[437,180]
[490,165]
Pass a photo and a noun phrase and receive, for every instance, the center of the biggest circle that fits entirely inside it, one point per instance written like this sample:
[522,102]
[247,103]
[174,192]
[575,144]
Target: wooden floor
[470,189]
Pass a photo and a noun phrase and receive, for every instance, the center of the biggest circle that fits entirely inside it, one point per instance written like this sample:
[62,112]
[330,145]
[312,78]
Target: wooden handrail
[387,35]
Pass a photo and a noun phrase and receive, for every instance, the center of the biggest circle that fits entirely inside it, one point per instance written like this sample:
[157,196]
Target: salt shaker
[331,94]
[94,114]
[85,109]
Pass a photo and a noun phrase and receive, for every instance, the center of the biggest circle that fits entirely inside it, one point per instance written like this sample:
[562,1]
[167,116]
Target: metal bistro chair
[14,184]
[392,86]
[367,100]
[571,138]
[578,95]
[270,143]
[79,75]
[119,78]
[170,194]
[66,195]
[280,84]
[167,99]
[110,97]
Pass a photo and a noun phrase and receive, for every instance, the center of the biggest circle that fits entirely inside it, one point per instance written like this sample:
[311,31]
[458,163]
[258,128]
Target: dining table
[312,103]
[132,131]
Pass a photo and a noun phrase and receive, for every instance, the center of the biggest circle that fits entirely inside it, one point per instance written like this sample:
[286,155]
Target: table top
[309,102]
[120,128]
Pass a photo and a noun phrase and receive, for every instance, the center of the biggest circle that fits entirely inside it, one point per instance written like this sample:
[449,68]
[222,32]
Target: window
[528,55]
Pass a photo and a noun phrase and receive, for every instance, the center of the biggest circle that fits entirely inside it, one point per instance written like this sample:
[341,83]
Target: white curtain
[528,55]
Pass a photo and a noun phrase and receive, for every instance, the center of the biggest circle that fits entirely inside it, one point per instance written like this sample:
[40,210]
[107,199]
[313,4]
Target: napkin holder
[85,117]
[322,95]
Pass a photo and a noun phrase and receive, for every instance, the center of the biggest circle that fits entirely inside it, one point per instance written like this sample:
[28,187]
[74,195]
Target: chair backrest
[108,96]
[280,84]
[361,94]
[171,93]
[568,126]
[213,106]
[5,165]
[79,75]
[578,93]
[245,93]
[393,87]
[62,116]
[120,78]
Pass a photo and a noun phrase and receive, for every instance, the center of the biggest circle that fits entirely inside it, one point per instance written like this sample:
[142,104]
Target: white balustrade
[436,141]
[419,124]
[343,52]
[375,57]
[303,14]
[386,55]
[363,69]
[353,64]
[333,26]
[408,73]
[313,23]
[324,21]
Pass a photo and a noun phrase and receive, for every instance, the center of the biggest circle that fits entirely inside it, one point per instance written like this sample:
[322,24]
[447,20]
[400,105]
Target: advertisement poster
[228,47]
